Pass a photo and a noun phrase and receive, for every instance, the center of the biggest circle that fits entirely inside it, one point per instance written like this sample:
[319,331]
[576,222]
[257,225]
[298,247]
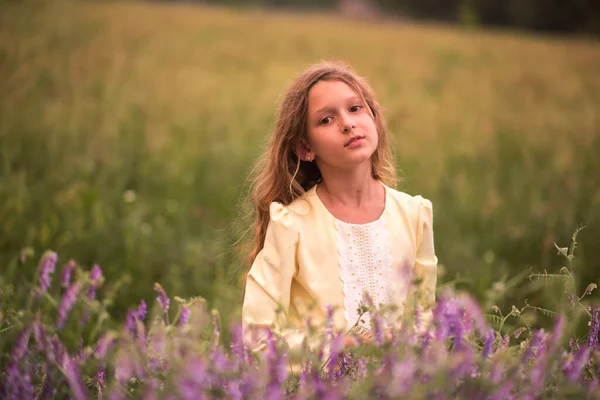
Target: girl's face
[341,133]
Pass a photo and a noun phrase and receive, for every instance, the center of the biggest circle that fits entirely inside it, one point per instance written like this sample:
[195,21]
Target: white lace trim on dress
[366,263]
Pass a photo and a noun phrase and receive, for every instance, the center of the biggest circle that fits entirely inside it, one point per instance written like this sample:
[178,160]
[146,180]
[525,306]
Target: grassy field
[127,131]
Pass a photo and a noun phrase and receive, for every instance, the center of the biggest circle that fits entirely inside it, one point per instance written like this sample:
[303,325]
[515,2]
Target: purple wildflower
[402,376]
[335,350]
[133,316]
[47,268]
[237,342]
[21,345]
[219,360]
[489,342]
[103,345]
[504,342]
[66,273]
[192,380]
[38,333]
[536,345]
[425,340]
[541,357]
[503,392]
[142,311]
[248,384]
[449,314]
[463,363]
[124,368]
[573,346]
[276,367]
[46,385]
[55,350]
[11,389]
[17,383]
[130,321]
[162,298]
[27,390]
[67,302]
[74,378]
[185,315]
[378,329]
[95,276]
[329,321]
[594,328]
[362,369]
[100,383]
[574,367]
[497,373]
[233,389]
[348,365]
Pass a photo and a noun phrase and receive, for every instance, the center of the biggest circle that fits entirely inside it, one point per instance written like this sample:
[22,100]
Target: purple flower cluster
[458,355]
[135,315]
[95,276]
[162,298]
[46,270]
[69,298]
[66,273]
[594,328]
[185,315]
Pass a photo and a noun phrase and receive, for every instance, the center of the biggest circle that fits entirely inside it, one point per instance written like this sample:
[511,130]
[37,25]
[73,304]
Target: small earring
[310,158]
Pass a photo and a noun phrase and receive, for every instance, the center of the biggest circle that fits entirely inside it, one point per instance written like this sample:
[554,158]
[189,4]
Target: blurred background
[127,131]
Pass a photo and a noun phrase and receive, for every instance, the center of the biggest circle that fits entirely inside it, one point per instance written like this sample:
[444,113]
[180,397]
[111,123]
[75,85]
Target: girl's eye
[355,108]
[324,121]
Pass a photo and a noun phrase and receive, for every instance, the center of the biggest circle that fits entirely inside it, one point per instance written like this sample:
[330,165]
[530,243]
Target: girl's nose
[347,128]
[347,124]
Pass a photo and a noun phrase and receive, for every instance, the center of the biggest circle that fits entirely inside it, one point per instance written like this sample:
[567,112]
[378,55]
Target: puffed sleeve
[425,268]
[268,284]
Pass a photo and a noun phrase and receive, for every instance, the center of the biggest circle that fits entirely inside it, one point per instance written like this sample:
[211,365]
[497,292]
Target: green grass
[127,131]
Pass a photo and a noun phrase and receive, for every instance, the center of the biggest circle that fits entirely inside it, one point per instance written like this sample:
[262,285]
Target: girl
[329,225]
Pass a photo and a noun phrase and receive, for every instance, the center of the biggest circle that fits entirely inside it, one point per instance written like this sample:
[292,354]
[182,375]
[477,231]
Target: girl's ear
[303,151]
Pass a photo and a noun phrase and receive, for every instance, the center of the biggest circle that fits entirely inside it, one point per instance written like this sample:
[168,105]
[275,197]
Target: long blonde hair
[279,175]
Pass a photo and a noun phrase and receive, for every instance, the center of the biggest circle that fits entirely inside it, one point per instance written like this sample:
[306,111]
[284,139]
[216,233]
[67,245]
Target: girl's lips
[355,142]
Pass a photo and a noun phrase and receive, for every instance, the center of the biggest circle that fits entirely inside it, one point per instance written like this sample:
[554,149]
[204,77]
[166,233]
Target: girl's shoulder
[289,214]
[411,204]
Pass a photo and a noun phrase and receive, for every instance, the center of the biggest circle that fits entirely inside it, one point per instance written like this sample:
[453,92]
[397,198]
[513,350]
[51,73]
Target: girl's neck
[352,189]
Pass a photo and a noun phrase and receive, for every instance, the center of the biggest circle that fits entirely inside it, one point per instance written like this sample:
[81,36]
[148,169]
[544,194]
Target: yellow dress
[311,260]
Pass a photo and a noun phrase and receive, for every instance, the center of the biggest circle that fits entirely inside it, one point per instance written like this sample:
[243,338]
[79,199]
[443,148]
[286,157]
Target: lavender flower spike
[103,345]
[594,328]
[95,276]
[66,273]
[21,345]
[162,298]
[185,316]
[47,268]
[142,310]
[489,342]
[67,303]
[74,378]
[575,367]
[130,319]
